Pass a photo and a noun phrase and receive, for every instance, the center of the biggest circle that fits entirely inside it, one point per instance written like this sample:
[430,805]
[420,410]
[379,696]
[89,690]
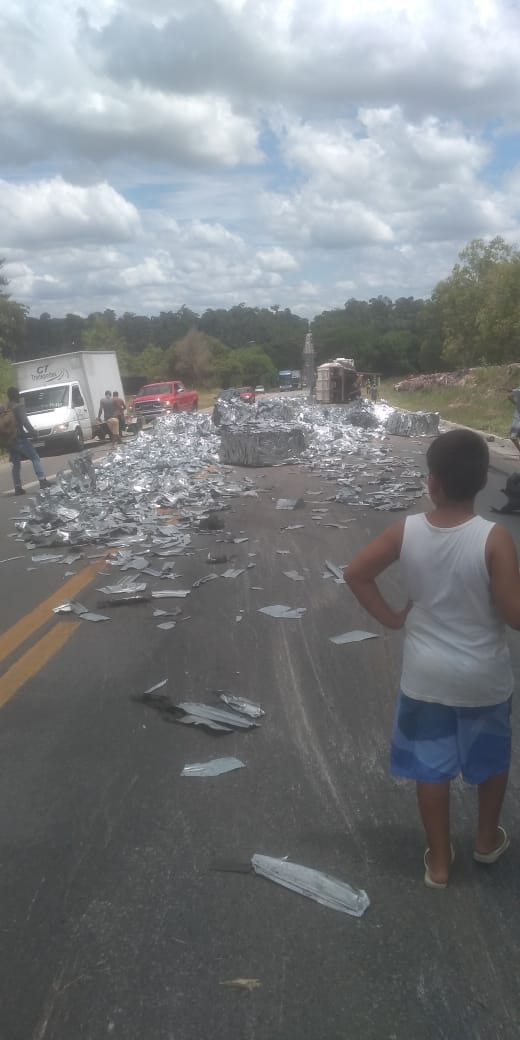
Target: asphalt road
[114,922]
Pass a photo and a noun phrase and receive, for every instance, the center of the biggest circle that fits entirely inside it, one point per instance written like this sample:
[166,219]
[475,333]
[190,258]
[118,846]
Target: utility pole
[308,364]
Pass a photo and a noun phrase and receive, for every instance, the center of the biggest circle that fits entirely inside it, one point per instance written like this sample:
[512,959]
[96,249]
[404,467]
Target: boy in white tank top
[463,587]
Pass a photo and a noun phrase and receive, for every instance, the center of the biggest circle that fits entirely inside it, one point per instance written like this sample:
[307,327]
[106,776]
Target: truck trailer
[337,382]
[62,394]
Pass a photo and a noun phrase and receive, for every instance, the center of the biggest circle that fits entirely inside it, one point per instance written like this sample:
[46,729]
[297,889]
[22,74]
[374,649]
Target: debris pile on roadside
[462,377]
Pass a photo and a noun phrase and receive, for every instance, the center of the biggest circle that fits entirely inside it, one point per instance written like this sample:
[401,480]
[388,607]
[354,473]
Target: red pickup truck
[160,398]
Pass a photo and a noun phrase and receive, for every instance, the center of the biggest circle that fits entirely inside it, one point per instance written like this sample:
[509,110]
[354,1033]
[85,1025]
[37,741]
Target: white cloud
[53,212]
[212,151]
[276,259]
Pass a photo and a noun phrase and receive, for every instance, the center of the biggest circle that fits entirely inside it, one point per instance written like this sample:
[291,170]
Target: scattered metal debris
[352,637]
[322,888]
[254,711]
[202,581]
[336,572]
[167,625]
[247,984]
[128,598]
[209,713]
[215,767]
[280,611]
[158,686]
[290,503]
[70,607]
[88,615]
[170,593]
[294,576]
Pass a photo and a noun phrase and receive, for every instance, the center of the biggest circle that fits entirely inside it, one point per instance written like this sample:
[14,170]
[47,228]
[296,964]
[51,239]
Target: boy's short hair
[460,460]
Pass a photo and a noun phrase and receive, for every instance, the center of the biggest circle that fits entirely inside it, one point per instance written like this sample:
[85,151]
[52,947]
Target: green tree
[12,320]
[191,359]
[498,317]
[461,297]
[256,367]
[102,333]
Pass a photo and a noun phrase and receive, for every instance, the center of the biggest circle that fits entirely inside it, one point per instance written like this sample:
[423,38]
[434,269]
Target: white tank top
[455,649]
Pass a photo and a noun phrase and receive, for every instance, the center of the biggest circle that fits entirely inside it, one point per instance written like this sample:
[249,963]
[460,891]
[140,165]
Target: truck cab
[155,399]
[59,415]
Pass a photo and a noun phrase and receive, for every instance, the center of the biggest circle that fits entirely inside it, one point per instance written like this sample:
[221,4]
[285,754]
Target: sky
[214,152]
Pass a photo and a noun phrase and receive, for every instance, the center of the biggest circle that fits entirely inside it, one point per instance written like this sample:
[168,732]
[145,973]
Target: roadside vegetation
[471,319]
[480,403]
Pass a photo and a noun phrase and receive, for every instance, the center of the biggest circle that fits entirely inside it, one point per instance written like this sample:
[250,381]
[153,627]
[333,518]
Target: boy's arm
[502,563]
[360,576]
[25,421]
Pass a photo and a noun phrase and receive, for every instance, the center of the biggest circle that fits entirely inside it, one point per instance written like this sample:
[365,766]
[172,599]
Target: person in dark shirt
[107,414]
[22,448]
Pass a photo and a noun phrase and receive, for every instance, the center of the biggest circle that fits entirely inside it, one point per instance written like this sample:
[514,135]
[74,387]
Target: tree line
[471,318]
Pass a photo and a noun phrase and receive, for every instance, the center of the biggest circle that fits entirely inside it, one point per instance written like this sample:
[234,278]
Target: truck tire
[195,406]
[77,442]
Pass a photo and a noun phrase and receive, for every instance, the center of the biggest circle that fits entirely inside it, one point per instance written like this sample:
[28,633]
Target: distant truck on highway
[290,379]
[157,399]
[62,394]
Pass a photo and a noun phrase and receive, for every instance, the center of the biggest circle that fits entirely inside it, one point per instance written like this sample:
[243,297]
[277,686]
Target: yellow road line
[30,623]
[35,659]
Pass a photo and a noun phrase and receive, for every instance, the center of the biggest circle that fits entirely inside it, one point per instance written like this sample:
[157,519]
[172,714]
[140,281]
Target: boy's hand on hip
[401,615]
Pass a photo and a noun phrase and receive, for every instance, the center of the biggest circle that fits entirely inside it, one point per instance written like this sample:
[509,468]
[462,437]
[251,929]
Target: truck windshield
[154,389]
[46,399]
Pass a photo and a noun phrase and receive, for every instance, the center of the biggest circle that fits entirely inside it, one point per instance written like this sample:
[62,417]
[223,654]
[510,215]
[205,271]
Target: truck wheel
[195,406]
[175,408]
[78,442]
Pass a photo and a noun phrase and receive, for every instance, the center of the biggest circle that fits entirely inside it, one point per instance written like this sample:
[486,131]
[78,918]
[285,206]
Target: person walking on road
[119,411]
[514,433]
[454,705]
[21,448]
[107,414]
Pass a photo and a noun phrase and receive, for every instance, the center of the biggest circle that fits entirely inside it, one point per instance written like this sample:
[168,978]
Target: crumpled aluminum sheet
[240,704]
[279,610]
[207,712]
[215,767]
[128,497]
[322,888]
[357,636]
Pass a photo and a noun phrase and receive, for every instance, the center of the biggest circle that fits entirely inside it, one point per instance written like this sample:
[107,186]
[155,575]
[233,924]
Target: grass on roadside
[481,404]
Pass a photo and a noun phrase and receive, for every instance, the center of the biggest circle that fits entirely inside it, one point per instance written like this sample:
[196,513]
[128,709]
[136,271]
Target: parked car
[259,389]
[242,393]
[156,399]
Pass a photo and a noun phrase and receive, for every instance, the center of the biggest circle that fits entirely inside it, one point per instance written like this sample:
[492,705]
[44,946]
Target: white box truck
[62,394]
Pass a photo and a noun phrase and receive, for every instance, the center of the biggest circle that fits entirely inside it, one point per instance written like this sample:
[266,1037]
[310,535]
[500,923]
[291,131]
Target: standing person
[514,433]
[374,393]
[462,584]
[22,448]
[120,409]
[107,414]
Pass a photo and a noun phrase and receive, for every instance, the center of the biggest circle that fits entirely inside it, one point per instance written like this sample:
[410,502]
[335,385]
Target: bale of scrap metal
[412,424]
[254,445]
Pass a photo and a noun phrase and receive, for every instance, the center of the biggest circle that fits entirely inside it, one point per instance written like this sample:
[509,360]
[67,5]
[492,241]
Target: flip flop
[491,857]
[428,880]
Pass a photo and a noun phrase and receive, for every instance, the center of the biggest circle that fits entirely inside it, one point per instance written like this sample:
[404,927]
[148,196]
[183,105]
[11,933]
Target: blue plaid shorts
[435,742]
